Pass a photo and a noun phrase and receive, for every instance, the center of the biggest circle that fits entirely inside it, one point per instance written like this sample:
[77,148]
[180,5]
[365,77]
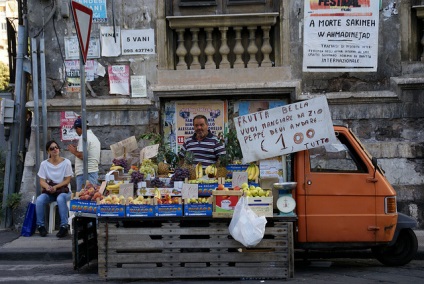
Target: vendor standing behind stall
[93,152]
[206,147]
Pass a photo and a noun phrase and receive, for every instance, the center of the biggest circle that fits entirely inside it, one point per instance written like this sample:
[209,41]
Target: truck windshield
[339,157]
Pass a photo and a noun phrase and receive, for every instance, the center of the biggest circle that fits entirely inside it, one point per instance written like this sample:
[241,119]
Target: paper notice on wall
[99,9]
[285,129]
[111,41]
[138,41]
[73,69]
[67,119]
[138,87]
[72,49]
[340,36]
[119,79]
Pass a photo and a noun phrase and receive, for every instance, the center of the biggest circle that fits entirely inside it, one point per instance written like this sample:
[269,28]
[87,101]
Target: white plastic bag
[246,227]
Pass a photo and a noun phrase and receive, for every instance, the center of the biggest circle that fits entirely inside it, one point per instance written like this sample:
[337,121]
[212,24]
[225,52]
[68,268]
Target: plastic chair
[52,214]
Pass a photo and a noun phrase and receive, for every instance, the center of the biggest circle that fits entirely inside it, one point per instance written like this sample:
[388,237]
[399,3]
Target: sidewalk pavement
[15,247]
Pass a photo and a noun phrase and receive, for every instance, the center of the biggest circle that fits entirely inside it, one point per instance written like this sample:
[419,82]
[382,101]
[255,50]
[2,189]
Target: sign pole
[83,17]
[84,122]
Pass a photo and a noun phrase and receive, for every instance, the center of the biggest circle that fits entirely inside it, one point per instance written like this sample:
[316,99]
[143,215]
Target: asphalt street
[36,259]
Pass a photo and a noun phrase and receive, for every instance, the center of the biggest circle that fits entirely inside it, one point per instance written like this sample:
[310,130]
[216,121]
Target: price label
[239,178]
[126,189]
[190,190]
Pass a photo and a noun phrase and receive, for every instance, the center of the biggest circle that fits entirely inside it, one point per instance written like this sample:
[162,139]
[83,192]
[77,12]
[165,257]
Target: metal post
[36,119]
[17,118]
[43,93]
[84,121]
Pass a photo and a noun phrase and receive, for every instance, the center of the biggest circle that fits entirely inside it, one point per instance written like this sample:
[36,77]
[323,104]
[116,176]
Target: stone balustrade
[223,41]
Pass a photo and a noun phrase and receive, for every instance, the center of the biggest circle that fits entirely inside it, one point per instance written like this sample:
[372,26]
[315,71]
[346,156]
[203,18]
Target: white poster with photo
[111,41]
[285,129]
[138,41]
[340,37]
[119,79]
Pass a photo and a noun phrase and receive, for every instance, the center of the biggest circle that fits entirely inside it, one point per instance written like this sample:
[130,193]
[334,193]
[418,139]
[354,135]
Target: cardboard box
[83,206]
[262,206]
[169,209]
[139,210]
[236,168]
[205,189]
[224,202]
[198,209]
[150,191]
[110,210]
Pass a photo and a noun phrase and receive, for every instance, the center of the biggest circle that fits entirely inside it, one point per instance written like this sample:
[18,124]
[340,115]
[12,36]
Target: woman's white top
[55,173]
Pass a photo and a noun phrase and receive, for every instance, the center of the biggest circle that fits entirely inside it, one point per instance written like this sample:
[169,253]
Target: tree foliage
[4,76]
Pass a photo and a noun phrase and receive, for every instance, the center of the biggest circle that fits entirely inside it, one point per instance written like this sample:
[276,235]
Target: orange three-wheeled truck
[344,201]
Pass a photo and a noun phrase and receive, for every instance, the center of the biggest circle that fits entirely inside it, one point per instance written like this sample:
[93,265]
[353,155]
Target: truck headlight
[390,206]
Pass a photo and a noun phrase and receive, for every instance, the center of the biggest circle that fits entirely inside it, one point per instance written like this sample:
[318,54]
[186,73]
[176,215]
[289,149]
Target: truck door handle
[373,228]
[372,180]
[309,182]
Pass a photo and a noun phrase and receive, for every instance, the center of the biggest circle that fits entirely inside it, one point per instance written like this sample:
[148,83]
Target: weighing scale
[285,202]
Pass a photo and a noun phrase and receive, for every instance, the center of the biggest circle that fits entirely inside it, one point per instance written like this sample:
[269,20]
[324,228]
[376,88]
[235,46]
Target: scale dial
[286,204]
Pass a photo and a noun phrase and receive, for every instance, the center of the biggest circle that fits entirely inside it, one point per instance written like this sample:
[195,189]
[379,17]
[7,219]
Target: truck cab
[344,201]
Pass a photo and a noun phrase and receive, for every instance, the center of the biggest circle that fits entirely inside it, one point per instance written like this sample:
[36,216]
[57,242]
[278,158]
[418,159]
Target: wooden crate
[181,249]
[84,240]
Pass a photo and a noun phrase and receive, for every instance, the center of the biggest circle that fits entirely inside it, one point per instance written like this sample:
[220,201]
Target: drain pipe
[17,113]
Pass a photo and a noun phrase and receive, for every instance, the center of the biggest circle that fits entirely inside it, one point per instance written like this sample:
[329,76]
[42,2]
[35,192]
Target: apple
[244,185]
[236,187]
[220,187]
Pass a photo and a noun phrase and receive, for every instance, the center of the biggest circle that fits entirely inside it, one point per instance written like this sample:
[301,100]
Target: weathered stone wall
[384,108]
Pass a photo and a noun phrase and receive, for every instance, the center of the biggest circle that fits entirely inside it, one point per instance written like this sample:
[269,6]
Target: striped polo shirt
[206,151]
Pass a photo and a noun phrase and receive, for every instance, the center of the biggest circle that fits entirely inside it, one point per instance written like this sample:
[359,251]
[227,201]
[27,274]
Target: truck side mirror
[375,164]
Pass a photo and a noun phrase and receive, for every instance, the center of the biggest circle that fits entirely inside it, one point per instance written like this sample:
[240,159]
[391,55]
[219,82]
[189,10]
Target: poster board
[340,36]
[286,129]
[185,112]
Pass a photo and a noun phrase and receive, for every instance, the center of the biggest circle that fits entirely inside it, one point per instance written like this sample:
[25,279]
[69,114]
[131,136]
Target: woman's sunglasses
[53,148]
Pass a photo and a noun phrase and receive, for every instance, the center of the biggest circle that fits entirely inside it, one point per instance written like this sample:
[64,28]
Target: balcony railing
[223,41]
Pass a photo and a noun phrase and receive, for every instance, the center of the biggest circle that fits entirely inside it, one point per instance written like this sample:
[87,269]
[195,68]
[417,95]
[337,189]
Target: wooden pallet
[166,249]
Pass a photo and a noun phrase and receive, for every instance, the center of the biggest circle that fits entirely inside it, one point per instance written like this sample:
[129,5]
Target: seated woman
[55,175]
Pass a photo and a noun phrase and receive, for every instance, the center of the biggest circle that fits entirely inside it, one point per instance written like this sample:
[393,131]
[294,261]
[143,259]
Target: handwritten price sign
[126,189]
[239,178]
[190,190]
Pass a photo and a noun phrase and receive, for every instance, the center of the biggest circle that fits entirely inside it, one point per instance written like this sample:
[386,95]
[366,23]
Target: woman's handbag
[28,227]
[63,189]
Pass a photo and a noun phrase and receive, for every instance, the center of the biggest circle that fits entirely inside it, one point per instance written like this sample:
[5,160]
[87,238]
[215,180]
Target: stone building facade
[245,50]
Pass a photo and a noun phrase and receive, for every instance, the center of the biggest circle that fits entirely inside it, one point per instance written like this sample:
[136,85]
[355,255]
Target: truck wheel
[401,252]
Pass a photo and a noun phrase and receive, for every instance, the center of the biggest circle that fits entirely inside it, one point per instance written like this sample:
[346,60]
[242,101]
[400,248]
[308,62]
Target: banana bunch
[114,187]
[211,170]
[116,168]
[252,171]
[199,171]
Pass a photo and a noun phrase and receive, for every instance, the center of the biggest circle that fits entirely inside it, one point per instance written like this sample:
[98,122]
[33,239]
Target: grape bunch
[136,177]
[156,182]
[179,175]
[121,162]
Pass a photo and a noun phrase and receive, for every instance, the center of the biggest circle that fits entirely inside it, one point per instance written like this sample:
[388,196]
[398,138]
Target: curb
[35,255]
